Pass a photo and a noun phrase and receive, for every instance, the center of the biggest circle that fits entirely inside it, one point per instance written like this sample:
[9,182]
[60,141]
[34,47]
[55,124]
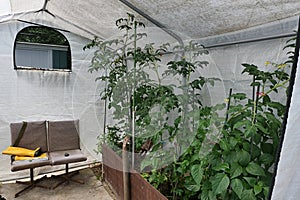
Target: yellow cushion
[44,155]
[20,151]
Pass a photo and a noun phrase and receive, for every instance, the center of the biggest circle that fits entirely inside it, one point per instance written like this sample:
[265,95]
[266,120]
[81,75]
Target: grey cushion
[63,135]
[64,142]
[26,164]
[66,156]
[35,135]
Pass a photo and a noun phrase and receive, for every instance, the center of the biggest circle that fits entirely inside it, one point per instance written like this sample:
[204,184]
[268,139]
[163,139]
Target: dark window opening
[42,48]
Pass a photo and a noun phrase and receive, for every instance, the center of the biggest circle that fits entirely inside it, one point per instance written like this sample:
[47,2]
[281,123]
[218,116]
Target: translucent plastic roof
[192,18]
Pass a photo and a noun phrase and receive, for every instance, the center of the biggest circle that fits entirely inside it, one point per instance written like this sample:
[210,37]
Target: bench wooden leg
[31,184]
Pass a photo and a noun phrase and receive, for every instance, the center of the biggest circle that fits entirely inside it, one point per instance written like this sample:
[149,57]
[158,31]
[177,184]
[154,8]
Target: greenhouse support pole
[251,40]
[155,22]
[133,98]
[104,123]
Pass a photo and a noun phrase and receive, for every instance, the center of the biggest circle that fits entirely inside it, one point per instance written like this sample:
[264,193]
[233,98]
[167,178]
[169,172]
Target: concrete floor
[92,189]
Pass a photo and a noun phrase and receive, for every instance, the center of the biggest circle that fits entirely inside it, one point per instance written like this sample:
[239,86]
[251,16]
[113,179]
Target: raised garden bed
[113,175]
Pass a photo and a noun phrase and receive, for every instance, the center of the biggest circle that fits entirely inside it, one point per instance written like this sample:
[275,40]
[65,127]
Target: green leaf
[231,157]
[250,180]
[197,173]
[236,108]
[266,99]
[222,167]
[250,131]
[233,142]
[193,188]
[266,190]
[255,151]
[272,118]
[257,189]
[257,138]
[207,195]
[250,69]
[262,129]
[241,124]
[239,96]
[255,169]
[236,170]
[261,119]
[248,195]
[266,159]
[267,148]
[237,187]
[220,183]
[247,146]
[244,157]
[224,145]
[280,108]
[255,84]
[145,163]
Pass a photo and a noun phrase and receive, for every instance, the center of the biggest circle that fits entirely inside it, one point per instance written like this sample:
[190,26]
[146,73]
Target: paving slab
[92,189]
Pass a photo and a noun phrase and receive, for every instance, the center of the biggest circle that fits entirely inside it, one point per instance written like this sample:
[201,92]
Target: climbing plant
[237,161]
[197,151]
[135,88]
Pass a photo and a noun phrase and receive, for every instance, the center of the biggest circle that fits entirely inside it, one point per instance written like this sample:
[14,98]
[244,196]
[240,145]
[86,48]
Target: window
[42,48]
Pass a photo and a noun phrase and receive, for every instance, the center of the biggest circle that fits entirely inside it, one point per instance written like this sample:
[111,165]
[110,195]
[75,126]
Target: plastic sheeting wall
[225,63]
[28,95]
[287,181]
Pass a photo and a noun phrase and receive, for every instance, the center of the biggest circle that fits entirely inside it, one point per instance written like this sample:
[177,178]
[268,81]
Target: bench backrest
[35,135]
[63,135]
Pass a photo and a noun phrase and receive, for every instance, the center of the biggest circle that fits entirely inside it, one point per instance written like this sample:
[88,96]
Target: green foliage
[130,87]
[209,156]
[42,35]
[239,164]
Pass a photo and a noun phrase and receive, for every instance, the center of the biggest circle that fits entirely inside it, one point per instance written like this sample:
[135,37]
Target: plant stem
[269,91]
[276,86]
[157,74]
[254,112]
[228,105]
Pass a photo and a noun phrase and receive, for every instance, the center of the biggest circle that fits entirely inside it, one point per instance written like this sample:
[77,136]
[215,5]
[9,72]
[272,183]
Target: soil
[97,170]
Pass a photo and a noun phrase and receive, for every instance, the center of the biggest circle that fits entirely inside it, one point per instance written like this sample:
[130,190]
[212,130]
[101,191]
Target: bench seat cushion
[66,156]
[26,164]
